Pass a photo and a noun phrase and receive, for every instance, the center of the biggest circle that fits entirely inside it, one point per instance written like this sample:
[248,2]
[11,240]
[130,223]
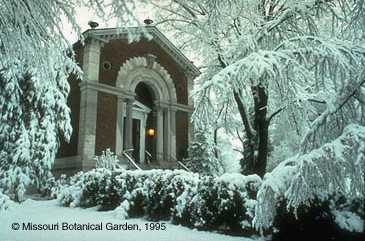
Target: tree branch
[274,114]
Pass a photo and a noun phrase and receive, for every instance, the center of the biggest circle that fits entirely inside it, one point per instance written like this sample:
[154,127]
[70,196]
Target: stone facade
[106,110]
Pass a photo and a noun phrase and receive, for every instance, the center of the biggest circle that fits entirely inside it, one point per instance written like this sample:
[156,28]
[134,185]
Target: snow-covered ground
[49,212]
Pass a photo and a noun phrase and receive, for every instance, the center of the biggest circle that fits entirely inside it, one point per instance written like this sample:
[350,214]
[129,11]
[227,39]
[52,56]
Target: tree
[35,61]
[283,65]
[336,167]
[203,157]
[33,117]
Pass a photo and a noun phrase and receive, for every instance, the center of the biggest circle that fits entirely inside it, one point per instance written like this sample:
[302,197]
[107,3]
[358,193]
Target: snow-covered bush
[225,202]
[205,202]
[83,188]
[4,202]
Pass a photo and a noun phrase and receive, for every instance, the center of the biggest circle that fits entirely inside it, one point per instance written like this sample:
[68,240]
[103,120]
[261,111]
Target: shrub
[205,202]
[5,201]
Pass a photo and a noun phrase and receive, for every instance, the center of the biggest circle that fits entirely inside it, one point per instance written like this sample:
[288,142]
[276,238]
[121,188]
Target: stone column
[190,78]
[88,105]
[129,124]
[120,124]
[173,133]
[190,128]
[167,134]
[160,134]
[142,145]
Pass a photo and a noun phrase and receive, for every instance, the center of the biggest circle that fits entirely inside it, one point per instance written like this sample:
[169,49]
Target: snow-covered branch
[335,167]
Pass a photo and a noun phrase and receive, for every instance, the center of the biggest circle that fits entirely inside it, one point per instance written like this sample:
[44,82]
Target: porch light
[151,132]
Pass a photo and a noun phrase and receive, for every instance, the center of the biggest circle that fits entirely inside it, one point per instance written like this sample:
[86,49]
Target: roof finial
[148,21]
[93,24]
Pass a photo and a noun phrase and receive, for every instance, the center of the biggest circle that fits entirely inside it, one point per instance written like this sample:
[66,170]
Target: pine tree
[202,157]
[34,115]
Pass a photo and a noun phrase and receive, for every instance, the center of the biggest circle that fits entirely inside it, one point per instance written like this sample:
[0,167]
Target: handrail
[183,166]
[130,159]
[149,155]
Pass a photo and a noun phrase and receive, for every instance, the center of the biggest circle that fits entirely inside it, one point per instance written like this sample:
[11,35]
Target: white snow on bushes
[5,202]
[187,198]
[349,221]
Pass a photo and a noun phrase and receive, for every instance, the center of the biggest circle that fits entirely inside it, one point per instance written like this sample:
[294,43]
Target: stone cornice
[106,89]
[121,93]
[106,34]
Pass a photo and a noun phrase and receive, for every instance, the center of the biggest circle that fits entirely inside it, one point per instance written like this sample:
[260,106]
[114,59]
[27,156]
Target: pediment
[107,34]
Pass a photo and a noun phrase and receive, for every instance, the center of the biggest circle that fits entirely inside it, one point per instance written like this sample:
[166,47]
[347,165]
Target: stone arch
[139,69]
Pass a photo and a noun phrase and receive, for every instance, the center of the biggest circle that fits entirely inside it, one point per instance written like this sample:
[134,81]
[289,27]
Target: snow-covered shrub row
[336,167]
[205,202]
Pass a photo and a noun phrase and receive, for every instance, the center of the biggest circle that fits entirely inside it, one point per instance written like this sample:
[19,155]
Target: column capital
[93,40]
[129,100]
[158,108]
[173,109]
[120,98]
[161,104]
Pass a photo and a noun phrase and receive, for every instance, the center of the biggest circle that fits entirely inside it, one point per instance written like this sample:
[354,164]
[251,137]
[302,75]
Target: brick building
[132,96]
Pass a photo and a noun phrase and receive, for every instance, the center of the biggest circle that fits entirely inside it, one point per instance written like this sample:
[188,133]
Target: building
[132,96]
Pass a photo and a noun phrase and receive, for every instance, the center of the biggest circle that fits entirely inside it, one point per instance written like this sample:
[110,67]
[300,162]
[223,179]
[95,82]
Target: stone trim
[106,89]
[140,69]
[107,34]
[119,92]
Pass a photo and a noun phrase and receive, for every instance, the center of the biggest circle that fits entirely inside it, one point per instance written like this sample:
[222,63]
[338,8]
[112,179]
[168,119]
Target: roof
[106,34]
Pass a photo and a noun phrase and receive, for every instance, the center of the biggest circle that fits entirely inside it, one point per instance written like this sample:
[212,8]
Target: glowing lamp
[151,132]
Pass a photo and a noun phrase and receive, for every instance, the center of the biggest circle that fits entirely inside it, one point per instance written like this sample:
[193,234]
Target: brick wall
[117,52]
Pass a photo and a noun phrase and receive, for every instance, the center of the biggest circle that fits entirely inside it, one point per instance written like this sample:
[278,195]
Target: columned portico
[127,99]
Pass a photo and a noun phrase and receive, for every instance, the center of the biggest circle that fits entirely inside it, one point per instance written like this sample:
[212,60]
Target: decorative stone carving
[133,69]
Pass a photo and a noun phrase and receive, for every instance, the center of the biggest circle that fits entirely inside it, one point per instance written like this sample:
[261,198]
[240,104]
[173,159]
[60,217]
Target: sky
[84,15]
[142,12]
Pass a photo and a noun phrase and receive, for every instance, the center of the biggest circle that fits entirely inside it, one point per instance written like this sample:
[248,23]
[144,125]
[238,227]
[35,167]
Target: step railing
[179,163]
[183,166]
[148,157]
[127,154]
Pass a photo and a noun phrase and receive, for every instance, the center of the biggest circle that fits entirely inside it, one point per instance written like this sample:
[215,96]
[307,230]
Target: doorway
[136,136]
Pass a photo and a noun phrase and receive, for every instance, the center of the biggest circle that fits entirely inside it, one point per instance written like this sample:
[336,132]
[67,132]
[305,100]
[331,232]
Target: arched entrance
[146,114]
[144,95]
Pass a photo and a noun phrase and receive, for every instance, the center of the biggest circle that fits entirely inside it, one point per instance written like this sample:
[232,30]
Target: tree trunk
[248,160]
[261,126]
[256,148]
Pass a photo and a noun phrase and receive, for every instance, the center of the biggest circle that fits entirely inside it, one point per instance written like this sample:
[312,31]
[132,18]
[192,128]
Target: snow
[5,202]
[349,221]
[48,212]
